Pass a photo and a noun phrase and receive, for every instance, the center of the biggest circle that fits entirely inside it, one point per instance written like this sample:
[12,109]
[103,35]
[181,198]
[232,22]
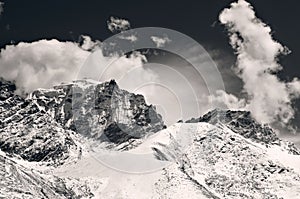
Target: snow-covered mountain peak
[225,164]
[54,141]
[243,123]
[43,126]
[94,109]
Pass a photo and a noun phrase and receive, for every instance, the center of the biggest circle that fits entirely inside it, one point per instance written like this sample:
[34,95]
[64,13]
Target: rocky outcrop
[220,163]
[99,110]
[29,132]
[42,127]
[241,122]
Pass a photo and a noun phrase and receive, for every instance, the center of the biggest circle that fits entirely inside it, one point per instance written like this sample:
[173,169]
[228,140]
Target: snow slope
[93,140]
[216,163]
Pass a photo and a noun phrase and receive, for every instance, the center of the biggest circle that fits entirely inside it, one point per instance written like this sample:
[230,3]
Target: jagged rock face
[7,89]
[241,122]
[28,131]
[41,127]
[99,110]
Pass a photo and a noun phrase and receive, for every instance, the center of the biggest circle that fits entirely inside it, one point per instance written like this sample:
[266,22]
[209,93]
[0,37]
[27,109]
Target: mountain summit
[42,126]
[51,144]
[241,122]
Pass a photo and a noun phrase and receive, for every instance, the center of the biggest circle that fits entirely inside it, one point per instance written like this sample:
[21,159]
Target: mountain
[99,110]
[19,181]
[29,132]
[243,123]
[224,164]
[87,139]
[44,126]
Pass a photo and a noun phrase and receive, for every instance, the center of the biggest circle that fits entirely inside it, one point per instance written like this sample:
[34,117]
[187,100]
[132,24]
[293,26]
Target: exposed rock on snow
[223,154]
[42,126]
[242,123]
[18,181]
[99,110]
[29,132]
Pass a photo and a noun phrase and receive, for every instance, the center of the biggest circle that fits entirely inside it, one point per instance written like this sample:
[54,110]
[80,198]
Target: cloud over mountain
[268,97]
[44,63]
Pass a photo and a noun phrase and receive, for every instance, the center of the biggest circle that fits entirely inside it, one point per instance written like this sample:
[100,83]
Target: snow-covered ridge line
[241,122]
[41,127]
[52,146]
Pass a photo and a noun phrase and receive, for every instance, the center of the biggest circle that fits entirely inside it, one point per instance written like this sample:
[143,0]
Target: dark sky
[32,20]
[67,20]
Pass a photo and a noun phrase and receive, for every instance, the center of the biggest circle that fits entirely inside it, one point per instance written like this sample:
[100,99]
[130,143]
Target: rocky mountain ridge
[47,148]
[99,110]
[43,126]
[241,122]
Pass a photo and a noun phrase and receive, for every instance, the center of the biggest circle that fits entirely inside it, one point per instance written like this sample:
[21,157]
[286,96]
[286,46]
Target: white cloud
[88,44]
[44,63]
[268,98]
[115,24]
[224,100]
[160,41]
[1,7]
